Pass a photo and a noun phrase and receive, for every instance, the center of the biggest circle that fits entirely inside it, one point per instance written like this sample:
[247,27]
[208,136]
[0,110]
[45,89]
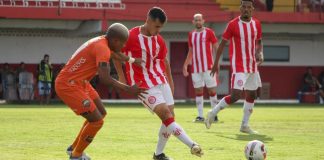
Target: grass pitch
[32,132]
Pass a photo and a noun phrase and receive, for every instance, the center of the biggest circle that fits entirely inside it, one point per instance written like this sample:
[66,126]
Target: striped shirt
[152,50]
[242,36]
[202,49]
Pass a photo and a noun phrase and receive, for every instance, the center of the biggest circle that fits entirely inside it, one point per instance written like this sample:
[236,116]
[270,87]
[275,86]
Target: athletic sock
[200,105]
[178,132]
[247,111]
[86,137]
[213,100]
[78,137]
[225,101]
[164,136]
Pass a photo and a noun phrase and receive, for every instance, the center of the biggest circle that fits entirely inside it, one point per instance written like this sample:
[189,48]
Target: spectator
[321,88]
[269,4]
[44,79]
[310,83]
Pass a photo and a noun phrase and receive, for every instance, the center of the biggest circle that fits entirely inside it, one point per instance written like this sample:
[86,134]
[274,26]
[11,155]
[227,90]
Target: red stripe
[154,61]
[148,61]
[196,54]
[250,100]
[253,47]
[238,51]
[247,53]
[233,79]
[228,99]
[201,53]
[209,49]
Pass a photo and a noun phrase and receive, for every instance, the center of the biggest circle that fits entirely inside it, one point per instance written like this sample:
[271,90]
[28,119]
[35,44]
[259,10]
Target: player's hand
[138,61]
[137,91]
[185,70]
[214,70]
[259,58]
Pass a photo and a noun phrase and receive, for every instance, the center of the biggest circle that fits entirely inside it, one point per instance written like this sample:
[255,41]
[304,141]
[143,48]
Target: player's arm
[259,52]
[120,72]
[106,79]
[219,52]
[187,62]
[168,74]
[122,57]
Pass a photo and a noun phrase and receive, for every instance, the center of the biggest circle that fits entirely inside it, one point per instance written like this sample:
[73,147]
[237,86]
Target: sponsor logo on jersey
[78,64]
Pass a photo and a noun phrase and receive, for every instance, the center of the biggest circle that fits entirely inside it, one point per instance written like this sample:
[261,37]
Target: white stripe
[131,70]
[242,45]
[234,56]
[193,52]
[145,73]
[250,45]
[198,52]
[204,50]
[152,72]
[254,40]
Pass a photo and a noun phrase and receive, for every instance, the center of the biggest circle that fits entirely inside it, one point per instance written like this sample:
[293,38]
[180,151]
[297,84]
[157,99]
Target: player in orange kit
[73,87]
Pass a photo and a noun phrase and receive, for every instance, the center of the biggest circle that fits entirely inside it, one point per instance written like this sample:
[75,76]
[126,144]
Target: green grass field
[31,132]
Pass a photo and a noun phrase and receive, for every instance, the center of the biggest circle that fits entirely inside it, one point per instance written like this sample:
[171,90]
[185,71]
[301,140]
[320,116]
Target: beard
[198,26]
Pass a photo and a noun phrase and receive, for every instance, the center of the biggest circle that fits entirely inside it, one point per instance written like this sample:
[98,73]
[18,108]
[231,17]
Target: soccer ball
[255,150]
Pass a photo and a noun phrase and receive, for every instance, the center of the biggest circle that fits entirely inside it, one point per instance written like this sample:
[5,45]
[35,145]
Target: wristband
[131,60]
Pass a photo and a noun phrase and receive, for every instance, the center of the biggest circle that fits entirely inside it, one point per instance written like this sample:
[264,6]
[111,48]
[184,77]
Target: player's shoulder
[233,21]
[134,31]
[257,21]
[209,30]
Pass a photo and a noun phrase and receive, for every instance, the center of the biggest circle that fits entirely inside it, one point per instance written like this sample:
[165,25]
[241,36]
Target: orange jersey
[84,62]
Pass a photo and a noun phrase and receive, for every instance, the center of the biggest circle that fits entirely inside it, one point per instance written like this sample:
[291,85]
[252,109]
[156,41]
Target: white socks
[213,101]
[163,139]
[200,105]
[247,111]
[178,132]
[221,105]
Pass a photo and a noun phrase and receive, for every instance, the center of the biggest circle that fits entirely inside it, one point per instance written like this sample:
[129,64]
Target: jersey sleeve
[189,39]
[228,33]
[212,37]
[102,54]
[259,28]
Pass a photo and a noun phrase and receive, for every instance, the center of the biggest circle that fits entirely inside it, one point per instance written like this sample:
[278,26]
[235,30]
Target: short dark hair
[157,13]
[46,55]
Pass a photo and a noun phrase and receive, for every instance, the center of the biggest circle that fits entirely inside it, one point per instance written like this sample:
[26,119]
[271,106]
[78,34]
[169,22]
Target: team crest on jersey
[151,99]
[240,82]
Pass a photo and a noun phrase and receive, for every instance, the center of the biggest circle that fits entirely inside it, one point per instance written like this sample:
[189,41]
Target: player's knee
[235,97]
[97,124]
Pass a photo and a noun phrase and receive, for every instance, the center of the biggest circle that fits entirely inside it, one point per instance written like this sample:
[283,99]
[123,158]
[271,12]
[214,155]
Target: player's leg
[48,92]
[237,82]
[167,118]
[211,85]
[80,102]
[198,83]
[252,83]
[97,100]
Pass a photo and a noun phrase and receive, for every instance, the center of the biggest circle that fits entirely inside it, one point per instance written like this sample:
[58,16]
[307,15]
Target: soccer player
[73,87]
[202,43]
[146,43]
[246,52]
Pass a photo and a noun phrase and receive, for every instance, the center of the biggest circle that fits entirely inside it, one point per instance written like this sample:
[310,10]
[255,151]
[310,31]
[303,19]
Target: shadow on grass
[247,137]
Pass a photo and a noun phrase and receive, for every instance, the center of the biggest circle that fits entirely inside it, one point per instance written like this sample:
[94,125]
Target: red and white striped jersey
[152,50]
[242,36]
[202,49]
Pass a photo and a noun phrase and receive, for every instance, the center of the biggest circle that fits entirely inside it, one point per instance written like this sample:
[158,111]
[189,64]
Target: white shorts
[203,78]
[157,95]
[44,88]
[247,81]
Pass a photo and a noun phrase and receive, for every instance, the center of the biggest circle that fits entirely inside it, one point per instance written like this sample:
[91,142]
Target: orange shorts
[78,96]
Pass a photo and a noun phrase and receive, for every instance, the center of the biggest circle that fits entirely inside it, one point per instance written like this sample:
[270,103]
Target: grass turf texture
[290,132]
